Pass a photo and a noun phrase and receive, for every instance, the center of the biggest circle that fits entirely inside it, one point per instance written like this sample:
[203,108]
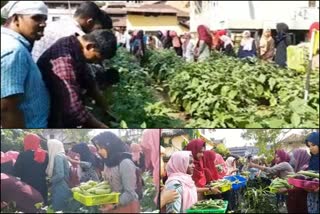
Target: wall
[140,22]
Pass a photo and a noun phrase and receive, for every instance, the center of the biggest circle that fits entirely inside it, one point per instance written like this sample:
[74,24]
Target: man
[66,74]
[24,97]
[87,18]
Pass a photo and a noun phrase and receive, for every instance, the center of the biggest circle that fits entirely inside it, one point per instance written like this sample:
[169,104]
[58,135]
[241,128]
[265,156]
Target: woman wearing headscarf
[190,48]
[185,42]
[119,171]
[282,167]
[231,165]
[227,45]
[8,161]
[137,155]
[247,46]
[197,148]
[267,46]
[58,172]
[180,168]
[31,165]
[167,40]
[204,44]
[312,142]
[139,46]
[23,195]
[176,43]
[297,197]
[210,169]
[283,40]
[88,162]
[221,166]
[150,145]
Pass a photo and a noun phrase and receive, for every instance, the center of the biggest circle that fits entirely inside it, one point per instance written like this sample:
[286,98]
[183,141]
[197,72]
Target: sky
[234,139]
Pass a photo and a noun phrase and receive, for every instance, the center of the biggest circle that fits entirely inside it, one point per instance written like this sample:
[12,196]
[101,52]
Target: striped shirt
[21,76]
[53,32]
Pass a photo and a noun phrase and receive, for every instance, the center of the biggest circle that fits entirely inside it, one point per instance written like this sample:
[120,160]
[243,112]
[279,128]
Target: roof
[294,138]
[173,132]
[153,9]
[119,11]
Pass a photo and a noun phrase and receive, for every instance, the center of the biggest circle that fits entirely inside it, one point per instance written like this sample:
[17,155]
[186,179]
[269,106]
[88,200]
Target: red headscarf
[315,26]
[198,176]
[203,34]
[32,142]
[211,172]
[283,155]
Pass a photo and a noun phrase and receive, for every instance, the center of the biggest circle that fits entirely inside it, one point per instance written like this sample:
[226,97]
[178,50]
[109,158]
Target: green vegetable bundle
[208,204]
[92,188]
[279,183]
[220,183]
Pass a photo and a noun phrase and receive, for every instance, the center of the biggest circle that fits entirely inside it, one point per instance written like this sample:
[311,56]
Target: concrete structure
[252,14]
[59,10]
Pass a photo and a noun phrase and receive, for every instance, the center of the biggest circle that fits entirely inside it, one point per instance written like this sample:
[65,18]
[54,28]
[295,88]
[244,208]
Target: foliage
[263,138]
[147,203]
[222,150]
[134,100]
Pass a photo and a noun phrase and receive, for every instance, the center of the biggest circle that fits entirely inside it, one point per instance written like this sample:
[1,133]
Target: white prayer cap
[24,8]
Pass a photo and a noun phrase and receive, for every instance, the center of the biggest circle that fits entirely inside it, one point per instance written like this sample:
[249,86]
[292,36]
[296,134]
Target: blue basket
[232,178]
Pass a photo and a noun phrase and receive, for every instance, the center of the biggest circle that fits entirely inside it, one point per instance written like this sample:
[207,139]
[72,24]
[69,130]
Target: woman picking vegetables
[197,147]
[232,166]
[179,169]
[312,142]
[119,171]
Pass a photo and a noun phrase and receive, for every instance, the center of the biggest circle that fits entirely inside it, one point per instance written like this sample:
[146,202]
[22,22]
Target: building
[244,150]
[59,10]
[252,15]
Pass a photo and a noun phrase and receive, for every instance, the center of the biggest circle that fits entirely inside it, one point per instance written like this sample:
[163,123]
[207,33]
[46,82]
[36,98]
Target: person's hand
[168,196]
[106,208]
[215,191]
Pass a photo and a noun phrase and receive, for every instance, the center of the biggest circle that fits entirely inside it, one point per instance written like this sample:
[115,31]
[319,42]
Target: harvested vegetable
[92,188]
[279,183]
[208,204]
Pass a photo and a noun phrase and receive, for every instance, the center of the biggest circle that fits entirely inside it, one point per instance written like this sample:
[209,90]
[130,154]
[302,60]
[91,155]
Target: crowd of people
[29,176]
[186,175]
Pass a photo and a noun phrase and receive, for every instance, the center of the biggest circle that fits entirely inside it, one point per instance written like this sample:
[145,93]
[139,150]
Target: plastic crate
[210,210]
[304,184]
[223,188]
[243,181]
[112,198]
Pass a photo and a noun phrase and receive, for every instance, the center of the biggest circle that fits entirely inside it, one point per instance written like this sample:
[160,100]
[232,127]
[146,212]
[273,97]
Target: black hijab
[116,148]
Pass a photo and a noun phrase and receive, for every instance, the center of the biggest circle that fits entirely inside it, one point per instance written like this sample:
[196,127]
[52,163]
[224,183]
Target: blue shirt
[20,75]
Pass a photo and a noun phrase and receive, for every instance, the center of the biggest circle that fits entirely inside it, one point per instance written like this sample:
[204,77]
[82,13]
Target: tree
[264,138]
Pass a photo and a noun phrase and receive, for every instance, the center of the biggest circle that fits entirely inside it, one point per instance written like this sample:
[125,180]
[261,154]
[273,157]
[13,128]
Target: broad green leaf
[123,124]
[224,91]
[273,101]
[262,78]
[254,125]
[272,83]
[143,125]
[275,123]
[259,89]
[232,94]
[295,120]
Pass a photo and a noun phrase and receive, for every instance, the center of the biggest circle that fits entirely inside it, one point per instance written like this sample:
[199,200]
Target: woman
[139,46]
[297,197]
[119,171]
[204,44]
[137,155]
[185,42]
[197,148]
[31,165]
[267,46]
[210,169]
[231,165]
[150,145]
[58,172]
[282,167]
[221,166]
[180,168]
[227,46]
[23,195]
[167,40]
[88,162]
[190,48]
[176,43]
[247,46]
[312,142]
[282,42]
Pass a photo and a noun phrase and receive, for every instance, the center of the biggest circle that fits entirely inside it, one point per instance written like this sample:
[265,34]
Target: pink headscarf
[224,169]
[177,170]
[283,155]
[302,159]
[175,39]
[9,156]
[136,152]
[151,148]
[231,165]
